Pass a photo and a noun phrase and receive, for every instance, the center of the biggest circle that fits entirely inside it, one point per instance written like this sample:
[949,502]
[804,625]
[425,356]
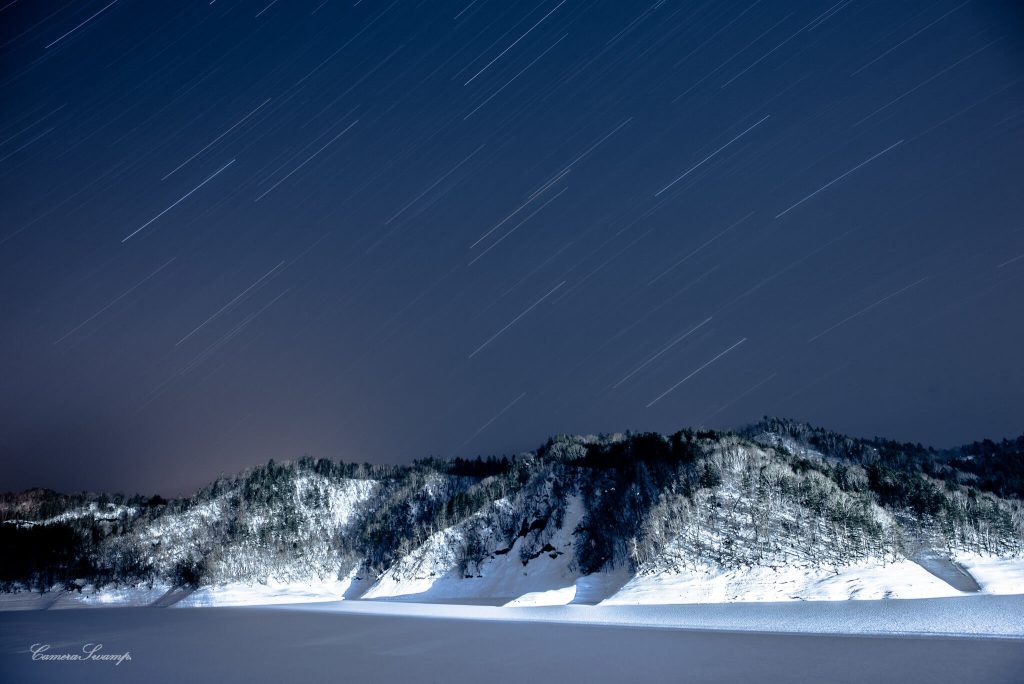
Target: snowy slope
[996,575]
[250,554]
[864,581]
[695,518]
[100,513]
[431,571]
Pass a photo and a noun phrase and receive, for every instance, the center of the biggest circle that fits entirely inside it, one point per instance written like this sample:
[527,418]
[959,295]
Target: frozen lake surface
[373,642]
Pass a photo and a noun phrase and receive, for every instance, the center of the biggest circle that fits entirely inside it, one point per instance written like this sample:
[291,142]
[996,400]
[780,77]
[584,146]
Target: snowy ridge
[314,513]
[627,519]
[107,513]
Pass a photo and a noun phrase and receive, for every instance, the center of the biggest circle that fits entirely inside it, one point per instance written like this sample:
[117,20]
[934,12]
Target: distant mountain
[779,510]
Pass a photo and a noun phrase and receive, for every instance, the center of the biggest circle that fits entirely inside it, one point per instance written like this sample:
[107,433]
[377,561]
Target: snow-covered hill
[779,512]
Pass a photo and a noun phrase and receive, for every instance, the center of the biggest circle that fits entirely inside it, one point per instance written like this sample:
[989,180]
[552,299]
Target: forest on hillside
[773,493]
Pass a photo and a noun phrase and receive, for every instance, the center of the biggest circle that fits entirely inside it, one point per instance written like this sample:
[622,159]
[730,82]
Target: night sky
[376,231]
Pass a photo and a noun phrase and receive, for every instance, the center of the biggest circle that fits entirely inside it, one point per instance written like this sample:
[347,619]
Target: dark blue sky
[380,230]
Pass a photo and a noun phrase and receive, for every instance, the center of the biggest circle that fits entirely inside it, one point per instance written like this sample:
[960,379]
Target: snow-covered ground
[864,581]
[89,596]
[271,593]
[977,614]
[547,581]
[373,641]
[551,597]
[995,575]
[993,616]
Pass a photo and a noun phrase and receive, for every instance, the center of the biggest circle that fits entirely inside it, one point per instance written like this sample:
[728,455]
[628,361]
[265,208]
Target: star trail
[378,231]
